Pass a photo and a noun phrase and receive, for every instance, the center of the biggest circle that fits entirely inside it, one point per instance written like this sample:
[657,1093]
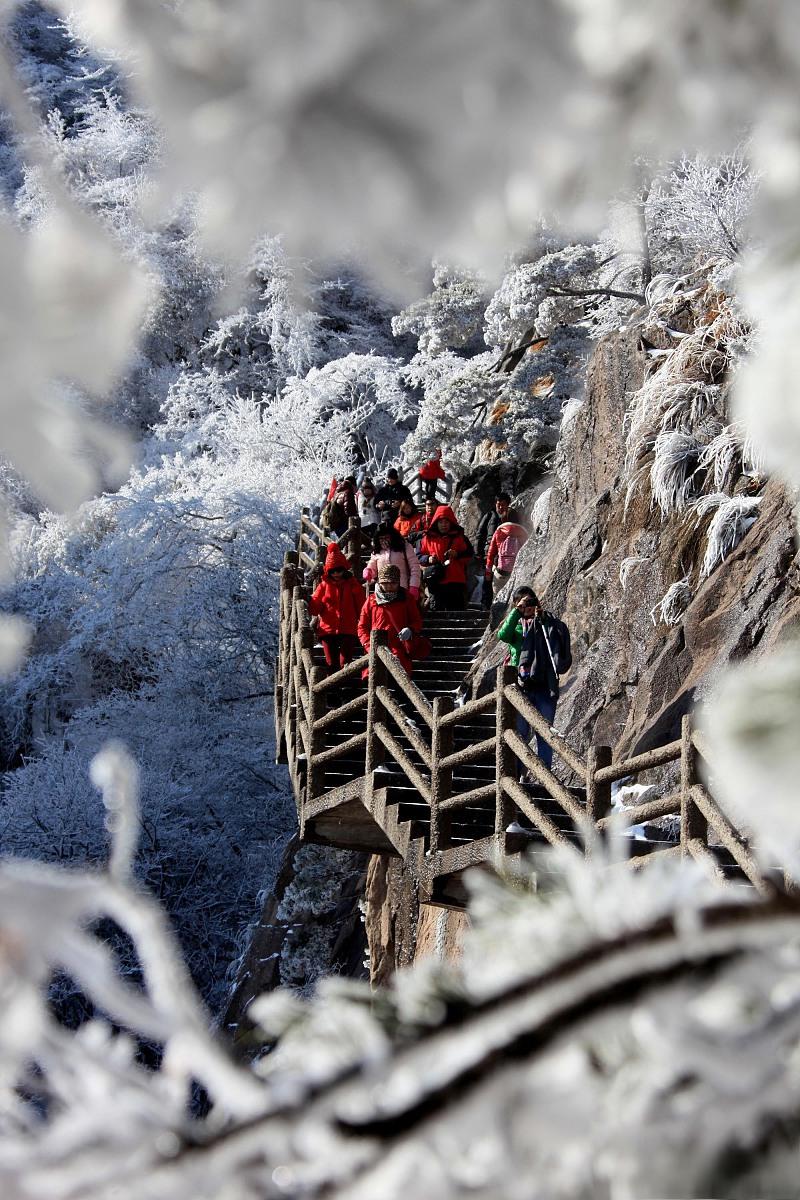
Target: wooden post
[504,758]
[291,693]
[315,779]
[375,751]
[298,544]
[283,665]
[693,823]
[441,777]
[598,795]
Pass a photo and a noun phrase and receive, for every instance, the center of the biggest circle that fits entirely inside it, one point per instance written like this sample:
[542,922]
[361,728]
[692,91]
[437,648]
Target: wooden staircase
[422,770]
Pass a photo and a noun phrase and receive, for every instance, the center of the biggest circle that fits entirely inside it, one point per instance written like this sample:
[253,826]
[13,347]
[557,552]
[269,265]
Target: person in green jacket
[512,630]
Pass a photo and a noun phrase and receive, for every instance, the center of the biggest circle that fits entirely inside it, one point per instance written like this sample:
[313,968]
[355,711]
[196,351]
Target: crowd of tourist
[419,560]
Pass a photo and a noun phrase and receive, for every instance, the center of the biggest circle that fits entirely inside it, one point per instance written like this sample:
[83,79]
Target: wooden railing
[304,725]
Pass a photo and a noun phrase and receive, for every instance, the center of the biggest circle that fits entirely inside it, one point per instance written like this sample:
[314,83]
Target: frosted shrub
[672,604]
[676,456]
[733,516]
[723,458]
[366,392]
[626,567]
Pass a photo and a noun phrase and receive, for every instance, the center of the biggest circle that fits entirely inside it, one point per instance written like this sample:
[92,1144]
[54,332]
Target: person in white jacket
[389,547]
[369,515]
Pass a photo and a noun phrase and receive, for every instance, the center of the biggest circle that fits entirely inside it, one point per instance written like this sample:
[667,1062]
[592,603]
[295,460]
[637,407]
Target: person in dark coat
[425,522]
[343,506]
[390,495]
[544,655]
[335,606]
[445,546]
[391,609]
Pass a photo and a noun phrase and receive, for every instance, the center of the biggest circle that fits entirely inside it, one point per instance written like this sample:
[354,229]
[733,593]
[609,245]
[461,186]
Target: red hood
[444,510]
[335,560]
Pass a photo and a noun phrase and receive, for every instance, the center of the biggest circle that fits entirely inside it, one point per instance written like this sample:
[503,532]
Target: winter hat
[445,511]
[335,560]
[388,573]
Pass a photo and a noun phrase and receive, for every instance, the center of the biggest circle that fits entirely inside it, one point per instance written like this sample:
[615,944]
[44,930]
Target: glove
[487,574]
[406,634]
[413,592]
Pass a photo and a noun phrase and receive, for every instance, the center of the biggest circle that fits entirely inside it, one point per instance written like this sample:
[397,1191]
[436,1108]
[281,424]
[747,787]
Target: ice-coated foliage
[362,397]
[733,516]
[704,206]
[673,603]
[315,891]
[451,317]
[627,566]
[540,513]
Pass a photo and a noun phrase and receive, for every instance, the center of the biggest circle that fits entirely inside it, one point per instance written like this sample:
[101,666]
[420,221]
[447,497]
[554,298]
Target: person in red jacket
[390,608]
[431,472]
[445,546]
[336,606]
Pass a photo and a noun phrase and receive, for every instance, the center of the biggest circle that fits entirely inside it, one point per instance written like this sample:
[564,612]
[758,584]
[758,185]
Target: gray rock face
[635,676]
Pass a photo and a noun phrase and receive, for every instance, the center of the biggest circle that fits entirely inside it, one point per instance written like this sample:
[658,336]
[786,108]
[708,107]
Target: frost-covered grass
[733,516]
[673,603]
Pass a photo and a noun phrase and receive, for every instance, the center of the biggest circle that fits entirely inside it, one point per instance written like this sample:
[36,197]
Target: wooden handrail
[406,685]
[485,792]
[545,777]
[532,811]
[403,761]
[701,853]
[346,672]
[339,751]
[468,754]
[665,806]
[345,710]
[537,722]
[306,521]
[640,762]
[731,839]
[388,701]
[473,708]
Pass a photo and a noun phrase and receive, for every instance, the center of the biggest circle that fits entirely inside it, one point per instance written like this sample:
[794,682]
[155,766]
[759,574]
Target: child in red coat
[336,606]
[390,608]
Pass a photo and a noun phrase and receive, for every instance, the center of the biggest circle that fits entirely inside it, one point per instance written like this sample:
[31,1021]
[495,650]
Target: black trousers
[451,596]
